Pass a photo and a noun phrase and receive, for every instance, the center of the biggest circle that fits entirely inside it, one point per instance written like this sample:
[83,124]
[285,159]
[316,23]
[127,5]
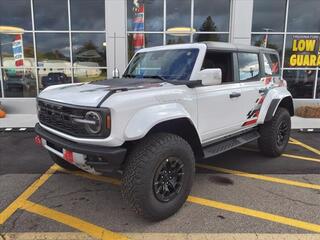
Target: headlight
[93,122]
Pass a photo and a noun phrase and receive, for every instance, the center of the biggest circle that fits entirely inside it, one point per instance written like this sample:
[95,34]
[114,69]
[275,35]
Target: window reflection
[318,86]
[53,75]
[151,40]
[51,15]
[304,16]
[16,13]
[300,82]
[269,15]
[178,13]
[210,37]
[6,51]
[177,39]
[248,66]
[53,50]
[273,41]
[19,82]
[89,74]
[87,15]
[211,17]
[153,15]
[89,49]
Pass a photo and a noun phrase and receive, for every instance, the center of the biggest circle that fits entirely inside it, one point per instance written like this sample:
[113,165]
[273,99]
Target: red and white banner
[17,47]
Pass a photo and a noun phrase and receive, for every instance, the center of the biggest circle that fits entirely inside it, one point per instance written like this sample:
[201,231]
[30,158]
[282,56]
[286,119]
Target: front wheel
[158,176]
[275,134]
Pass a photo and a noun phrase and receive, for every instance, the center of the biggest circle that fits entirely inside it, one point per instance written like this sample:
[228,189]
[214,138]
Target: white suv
[174,105]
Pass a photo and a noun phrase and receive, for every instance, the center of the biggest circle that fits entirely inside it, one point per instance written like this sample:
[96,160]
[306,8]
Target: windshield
[174,64]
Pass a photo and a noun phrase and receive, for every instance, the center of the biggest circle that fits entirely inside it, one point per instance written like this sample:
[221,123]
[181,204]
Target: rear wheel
[159,174]
[62,163]
[275,134]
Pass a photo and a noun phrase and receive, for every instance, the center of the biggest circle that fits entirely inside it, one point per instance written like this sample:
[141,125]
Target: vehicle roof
[213,46]
[236,47]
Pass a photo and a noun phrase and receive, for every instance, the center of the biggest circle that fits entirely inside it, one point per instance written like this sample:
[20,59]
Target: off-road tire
[268,142]
[142,167]
[62,163]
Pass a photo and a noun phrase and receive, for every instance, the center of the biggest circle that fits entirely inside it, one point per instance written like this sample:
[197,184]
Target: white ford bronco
[174,105]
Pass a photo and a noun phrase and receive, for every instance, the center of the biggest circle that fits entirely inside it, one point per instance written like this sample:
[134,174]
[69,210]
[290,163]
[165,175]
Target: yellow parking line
[300,157]
[164,236]
[249,212]
[257,214]
[284,155]
[26,194]
[312,149]
[93,177]
[260,177]
[83,226]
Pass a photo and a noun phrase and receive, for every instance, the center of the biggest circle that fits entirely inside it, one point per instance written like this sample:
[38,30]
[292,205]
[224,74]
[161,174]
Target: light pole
[265,41]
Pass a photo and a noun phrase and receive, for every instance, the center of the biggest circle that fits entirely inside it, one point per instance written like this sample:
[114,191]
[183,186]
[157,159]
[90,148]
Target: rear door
[250,72]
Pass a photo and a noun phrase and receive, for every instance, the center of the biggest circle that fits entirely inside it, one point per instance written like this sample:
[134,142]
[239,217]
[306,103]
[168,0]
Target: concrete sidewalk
[29,120]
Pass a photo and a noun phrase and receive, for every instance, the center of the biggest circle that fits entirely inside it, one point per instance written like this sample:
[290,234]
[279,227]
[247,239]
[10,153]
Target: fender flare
[145,119]
[273,100]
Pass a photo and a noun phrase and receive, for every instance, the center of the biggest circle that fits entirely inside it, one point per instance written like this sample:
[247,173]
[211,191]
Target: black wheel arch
[285,102]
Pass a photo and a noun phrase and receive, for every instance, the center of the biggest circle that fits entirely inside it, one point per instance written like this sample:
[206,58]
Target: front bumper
[100,159]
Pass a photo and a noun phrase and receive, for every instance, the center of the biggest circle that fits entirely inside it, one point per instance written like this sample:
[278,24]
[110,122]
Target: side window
[222,60]
[249,68]
[271,64]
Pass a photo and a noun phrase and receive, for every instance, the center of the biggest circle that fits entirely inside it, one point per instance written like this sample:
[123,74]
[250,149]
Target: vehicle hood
[94,93]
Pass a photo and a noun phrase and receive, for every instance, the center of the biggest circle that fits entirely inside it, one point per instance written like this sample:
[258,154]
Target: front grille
[59,117]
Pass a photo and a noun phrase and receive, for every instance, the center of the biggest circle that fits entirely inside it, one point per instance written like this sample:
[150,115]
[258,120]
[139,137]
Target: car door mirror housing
[210,76]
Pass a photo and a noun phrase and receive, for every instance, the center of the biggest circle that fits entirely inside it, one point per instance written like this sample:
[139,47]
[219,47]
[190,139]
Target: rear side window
[271,64]
[249,68]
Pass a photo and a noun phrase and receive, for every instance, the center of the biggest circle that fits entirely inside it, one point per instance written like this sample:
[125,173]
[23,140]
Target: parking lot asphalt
[237,195]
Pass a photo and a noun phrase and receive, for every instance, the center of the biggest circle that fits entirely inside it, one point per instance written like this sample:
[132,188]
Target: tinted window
[269,15]
[271,65]
[304,16]
[300,82]
[16,13]
[153,15]
[221,60]
[213,17]
[87,15]
[51,15]
[248,66]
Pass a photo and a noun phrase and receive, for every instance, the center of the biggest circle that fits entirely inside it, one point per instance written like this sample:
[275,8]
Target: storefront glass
[51,15]
[213,17]
[88,15]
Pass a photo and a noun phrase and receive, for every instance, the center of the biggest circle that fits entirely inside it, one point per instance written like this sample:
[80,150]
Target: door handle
[234,95]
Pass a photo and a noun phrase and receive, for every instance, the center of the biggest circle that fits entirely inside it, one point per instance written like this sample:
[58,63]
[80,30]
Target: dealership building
[63,41]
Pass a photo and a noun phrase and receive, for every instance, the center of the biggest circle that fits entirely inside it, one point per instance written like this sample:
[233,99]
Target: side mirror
[211,76]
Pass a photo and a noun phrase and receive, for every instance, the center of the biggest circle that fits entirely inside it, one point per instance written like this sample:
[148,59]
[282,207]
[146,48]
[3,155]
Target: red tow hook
[37,140]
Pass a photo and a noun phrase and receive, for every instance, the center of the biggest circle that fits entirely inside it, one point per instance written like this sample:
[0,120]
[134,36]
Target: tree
[208,26]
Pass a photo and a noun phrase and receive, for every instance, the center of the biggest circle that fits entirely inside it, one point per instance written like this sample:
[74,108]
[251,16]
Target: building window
[300,82]
[213,17]
[304,16]
[51,15]
[157,22]
[274,41]
[88,15]
[268,15]
[16,13]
